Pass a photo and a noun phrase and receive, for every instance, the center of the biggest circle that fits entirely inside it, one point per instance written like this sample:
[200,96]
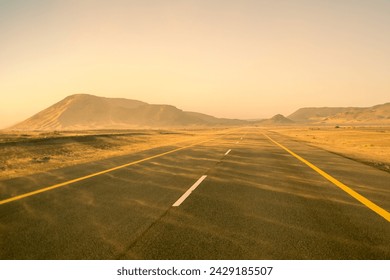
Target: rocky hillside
[379,114]
[84,111]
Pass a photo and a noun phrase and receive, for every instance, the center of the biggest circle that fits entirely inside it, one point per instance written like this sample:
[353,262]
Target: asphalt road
[253,200]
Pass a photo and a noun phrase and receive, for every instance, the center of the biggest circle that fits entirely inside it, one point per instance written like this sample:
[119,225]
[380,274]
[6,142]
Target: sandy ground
[28,153]
[370,145]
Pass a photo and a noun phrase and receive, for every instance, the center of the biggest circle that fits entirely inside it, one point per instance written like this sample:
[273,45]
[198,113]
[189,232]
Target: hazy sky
[239,59]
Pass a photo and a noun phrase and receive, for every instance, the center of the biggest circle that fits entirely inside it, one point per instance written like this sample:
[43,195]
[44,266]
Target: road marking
[18,197]
[228,152]
[189,191]
[377,209]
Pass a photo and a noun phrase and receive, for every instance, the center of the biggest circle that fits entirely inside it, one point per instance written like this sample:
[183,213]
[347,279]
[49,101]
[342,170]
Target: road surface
[250,194]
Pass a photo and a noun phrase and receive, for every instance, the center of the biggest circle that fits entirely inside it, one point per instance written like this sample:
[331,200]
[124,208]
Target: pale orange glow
[237,59]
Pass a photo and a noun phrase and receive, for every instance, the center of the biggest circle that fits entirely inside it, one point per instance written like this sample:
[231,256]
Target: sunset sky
[235,59]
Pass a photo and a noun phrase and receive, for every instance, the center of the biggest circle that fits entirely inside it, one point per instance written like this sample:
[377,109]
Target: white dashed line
[228,152]
[189,191]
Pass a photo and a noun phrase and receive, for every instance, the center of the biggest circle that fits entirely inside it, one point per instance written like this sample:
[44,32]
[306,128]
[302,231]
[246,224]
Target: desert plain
[370,145]
[25,153]
[28,152]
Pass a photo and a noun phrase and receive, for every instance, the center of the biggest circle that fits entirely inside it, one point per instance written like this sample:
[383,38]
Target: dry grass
[32,152]
[366,144]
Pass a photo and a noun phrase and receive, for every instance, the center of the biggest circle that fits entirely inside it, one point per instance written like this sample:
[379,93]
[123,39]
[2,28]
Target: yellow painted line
[18,197]
[377,209]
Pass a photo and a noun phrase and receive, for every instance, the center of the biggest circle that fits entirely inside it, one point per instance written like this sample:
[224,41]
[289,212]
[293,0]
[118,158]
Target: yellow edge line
[380,211]
[100,173]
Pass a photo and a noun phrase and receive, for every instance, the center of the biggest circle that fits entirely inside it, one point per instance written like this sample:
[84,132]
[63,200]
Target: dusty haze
[234,59]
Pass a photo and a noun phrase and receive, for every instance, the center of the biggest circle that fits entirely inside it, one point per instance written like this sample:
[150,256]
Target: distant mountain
[276,120]
[84,111]
[379,114]
[281,119]
[315,114]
